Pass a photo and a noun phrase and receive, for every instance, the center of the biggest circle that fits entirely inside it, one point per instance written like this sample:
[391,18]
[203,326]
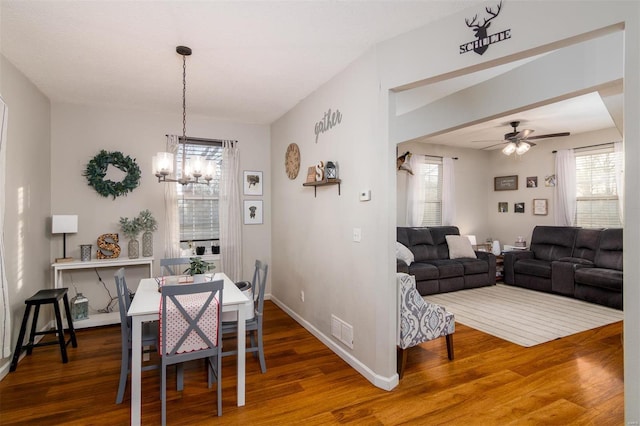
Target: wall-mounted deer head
[480,30]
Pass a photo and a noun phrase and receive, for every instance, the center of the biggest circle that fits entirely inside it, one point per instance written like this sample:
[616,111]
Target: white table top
[147,299]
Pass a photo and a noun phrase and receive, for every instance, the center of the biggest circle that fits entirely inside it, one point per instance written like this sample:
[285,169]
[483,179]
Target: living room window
[430,190]
[597,204]
[198,204]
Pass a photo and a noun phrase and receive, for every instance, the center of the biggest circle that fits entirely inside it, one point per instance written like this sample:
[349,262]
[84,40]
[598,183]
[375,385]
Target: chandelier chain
[184,98]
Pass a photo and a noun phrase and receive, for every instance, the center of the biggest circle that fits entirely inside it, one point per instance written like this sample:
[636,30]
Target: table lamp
[64,224]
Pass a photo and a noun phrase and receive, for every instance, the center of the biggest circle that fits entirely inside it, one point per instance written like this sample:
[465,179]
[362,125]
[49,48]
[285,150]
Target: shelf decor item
[64,224]
[79,307]
[108,247]
[85,252]
[96,171]
[148,224]
[131,228]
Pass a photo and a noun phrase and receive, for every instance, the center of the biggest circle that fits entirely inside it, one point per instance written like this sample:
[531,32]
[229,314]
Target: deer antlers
[487,20]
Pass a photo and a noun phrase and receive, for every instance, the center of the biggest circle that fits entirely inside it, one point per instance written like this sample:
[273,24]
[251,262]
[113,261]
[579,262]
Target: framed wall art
[518,207]
[540,206]
[252,212]
[252,182]
[532,182]
[503,207]
[505,183]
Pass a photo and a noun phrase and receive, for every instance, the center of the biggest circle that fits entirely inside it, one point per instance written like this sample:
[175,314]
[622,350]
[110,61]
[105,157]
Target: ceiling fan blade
[550,135]
[523,134]
[488,141]
[495,144]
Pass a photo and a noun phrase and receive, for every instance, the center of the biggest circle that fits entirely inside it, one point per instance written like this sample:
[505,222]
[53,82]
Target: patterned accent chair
[419,321]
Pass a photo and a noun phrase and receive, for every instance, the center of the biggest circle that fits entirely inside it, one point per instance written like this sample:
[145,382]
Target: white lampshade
[197,165]
[163,163]
[522,148]
[509,149]
[64,224]
[210,170]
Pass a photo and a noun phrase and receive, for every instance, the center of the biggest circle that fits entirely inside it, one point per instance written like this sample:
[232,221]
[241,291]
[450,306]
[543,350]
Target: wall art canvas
[253,212]
[252,182]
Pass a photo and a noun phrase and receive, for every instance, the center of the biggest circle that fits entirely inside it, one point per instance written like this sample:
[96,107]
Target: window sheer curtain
[619,170]
[448,192]
[5,311]
[414,207]
[230,212]
[565,193]
[172,218]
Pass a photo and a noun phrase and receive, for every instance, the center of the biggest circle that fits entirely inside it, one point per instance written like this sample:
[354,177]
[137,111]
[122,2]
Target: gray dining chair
[171,266]
[188,337]
[253,325]
[149,334]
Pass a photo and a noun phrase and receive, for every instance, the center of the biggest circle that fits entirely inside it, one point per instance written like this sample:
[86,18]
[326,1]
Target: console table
[103,318]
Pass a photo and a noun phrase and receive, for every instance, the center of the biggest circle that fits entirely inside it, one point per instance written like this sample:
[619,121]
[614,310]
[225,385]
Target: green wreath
[97,169]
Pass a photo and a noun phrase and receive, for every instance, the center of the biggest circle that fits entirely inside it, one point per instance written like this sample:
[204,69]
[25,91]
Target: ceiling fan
[520,141]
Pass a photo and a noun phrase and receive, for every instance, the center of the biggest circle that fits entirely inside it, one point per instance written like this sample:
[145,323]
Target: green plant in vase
[197,266]
[148,224]
[131,229]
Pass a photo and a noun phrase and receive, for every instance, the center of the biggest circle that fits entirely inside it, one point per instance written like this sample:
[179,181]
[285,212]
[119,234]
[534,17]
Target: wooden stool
[42,297]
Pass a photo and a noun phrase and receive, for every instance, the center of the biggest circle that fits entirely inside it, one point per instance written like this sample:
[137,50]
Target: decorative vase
[85,252]
[495,248]
[134,249]
[79,307]
[147,244]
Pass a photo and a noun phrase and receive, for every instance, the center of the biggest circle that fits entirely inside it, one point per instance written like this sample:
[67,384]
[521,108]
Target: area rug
[521,316]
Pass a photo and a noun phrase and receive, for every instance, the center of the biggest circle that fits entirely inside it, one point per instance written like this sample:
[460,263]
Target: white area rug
[521,316]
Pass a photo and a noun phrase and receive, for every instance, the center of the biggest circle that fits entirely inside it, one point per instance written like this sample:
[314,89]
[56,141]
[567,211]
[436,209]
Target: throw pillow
[404,254]
[459,246]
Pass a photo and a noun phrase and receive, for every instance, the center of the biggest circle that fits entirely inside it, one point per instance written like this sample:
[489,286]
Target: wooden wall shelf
[323,183]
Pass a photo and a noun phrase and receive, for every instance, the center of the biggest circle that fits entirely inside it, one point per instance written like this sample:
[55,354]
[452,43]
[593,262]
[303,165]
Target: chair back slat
[168,266]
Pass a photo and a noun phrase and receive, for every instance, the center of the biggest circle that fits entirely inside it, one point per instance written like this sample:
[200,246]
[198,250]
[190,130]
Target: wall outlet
[357,235]
[302,295]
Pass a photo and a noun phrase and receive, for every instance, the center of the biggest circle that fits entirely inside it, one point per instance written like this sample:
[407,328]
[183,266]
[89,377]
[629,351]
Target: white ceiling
[252,60]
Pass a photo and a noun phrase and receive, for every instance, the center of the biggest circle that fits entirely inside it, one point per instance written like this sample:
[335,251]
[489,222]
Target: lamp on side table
[64,224]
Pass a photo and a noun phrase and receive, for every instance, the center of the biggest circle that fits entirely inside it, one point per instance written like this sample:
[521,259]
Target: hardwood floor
[574,380]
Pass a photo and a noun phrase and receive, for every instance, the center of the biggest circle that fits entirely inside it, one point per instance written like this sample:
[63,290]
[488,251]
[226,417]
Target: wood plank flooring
[574,380]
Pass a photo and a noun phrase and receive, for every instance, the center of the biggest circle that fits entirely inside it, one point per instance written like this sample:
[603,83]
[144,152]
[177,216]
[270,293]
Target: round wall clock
[292,161]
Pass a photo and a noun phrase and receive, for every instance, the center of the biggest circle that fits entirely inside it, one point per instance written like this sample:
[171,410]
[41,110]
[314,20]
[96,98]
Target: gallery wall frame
[540,206]
[252,182]
[253,214]
[505,183]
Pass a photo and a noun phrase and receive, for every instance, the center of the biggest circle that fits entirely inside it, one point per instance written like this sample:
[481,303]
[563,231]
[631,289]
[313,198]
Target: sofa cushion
[586,244]
[459,246]
[448,268]
[423,271]
[536,267]
[404,254]
[610,279]
[609,254]
[474,266]
[553,242]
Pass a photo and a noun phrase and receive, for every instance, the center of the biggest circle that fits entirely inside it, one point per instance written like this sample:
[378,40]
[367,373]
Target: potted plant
[148,224]
[198,267]
[131,228]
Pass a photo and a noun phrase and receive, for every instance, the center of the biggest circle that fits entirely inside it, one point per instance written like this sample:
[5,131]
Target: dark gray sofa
[435,272]
[582,263]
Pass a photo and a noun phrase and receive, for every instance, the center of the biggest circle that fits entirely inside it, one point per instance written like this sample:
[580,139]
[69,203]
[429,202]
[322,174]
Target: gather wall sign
[329,121]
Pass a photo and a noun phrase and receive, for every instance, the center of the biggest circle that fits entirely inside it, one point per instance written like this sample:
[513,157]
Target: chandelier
[192,169]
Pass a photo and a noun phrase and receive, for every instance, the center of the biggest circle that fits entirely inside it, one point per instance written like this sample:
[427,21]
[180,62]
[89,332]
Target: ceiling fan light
[509,149]
[522,148]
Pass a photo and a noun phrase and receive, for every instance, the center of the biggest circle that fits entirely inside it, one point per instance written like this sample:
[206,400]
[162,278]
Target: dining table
[145,306]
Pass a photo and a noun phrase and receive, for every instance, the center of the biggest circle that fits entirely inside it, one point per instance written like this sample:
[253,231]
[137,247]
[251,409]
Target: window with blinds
[198,203]
[596,192]
[430,178]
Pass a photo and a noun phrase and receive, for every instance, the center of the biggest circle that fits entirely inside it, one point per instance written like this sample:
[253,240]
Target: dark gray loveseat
[576,262]
[435,272]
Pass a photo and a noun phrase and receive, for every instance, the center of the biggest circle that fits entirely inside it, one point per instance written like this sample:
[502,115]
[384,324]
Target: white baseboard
[385,383]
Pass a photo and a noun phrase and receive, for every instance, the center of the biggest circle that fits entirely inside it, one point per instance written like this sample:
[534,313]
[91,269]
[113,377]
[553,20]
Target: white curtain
[230,212]
[172,218]
[5,311]
[414,207]
[619,171]
[565,193]
[448,192]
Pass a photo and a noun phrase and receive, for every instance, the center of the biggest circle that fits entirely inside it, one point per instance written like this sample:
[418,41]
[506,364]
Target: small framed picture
[252,182]
[532,182]
[540,206]
[518,207]
[503,207]
[253,212]
[550,180]
[505,183]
